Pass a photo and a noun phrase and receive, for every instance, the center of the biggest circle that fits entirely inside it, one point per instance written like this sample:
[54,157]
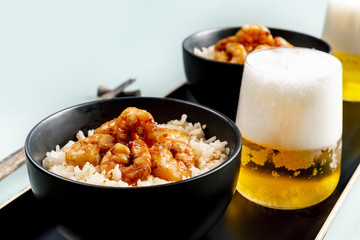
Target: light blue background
[54,54]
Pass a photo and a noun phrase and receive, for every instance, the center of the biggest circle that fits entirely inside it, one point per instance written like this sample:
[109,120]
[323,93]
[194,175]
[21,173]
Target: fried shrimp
[107,128]
[281,42]
[134,120]
[118,154]
[134,161]
[250,37]
[90,149]
[263,46]
[172,155]
[221,56]
[237,51]
[230,51]
[221,45]
[253,35]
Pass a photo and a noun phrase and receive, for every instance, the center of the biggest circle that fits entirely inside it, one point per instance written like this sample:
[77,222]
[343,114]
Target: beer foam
[291,98]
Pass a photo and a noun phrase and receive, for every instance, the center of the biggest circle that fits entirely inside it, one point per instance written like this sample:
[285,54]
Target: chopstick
[113,93]
[16,159]
[12,162]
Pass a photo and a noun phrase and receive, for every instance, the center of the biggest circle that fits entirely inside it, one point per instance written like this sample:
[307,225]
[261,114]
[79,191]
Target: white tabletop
[54,54]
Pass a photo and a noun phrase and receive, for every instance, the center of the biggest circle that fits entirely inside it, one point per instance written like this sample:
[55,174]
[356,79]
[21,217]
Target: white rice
[204,52]
[208,153]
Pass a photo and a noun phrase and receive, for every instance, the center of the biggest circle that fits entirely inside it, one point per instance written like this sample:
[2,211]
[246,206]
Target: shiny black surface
[96,212]
[217,84]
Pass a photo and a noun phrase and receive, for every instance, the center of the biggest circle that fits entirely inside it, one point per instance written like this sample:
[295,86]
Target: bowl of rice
[90,203]
[213,82]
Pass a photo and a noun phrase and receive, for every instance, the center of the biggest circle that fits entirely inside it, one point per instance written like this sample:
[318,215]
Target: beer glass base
[278,207]
[291,195]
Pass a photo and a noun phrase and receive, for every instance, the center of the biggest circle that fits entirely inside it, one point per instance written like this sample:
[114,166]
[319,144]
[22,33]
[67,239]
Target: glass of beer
[290,117]
[341,31]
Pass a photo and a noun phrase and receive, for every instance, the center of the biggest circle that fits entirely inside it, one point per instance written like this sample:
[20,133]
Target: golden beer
[351,75]
[290,117]
[341,31]
[288,179]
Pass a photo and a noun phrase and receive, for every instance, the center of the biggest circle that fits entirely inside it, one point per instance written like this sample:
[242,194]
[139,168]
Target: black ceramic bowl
[181,210]
[212,82]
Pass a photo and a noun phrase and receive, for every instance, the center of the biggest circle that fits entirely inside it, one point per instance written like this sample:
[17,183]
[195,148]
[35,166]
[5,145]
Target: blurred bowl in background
[213,82]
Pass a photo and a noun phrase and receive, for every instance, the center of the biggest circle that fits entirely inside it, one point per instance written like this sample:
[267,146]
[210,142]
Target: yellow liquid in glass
[288,179]
[351,75]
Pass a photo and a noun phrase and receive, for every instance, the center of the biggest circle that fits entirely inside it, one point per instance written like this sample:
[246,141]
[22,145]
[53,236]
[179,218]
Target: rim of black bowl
[236,151]
[210,30]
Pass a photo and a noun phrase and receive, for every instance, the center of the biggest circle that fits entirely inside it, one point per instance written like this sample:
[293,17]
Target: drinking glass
[341,31]
[290,117]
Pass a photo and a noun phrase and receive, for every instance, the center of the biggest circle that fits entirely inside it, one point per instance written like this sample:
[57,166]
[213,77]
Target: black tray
[242,220]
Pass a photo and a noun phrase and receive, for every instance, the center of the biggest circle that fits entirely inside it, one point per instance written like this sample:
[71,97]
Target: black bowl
[212,82]
[181,210]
